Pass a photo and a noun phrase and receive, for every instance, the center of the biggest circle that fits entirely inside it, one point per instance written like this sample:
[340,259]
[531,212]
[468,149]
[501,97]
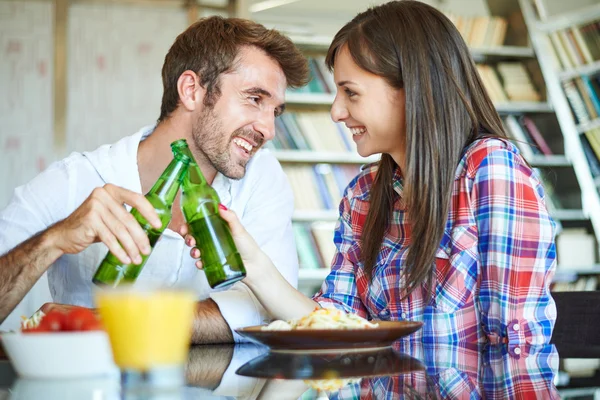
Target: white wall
[115,55]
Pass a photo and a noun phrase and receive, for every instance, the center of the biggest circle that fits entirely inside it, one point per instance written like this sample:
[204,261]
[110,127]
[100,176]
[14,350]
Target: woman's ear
[191,93]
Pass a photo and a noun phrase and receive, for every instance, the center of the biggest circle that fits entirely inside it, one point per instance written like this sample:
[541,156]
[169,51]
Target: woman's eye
[349,92]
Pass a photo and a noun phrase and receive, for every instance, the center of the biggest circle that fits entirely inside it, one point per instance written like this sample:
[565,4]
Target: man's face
[243,117]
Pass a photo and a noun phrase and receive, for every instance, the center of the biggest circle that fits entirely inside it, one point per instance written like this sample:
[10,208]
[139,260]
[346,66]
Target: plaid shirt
[493,266]
[466,372]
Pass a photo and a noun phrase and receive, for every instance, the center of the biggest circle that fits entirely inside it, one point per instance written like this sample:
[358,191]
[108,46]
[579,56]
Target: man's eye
[254,99]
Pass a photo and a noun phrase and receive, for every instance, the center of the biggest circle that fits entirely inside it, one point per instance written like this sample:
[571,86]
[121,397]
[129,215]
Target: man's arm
[209,325]
[22,267]
[101,217]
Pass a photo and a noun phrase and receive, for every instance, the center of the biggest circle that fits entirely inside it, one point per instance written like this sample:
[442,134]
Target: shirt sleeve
[267,215]
[517,251]
[340,289]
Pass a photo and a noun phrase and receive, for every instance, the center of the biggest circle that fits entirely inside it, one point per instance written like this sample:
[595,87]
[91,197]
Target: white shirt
[263,201]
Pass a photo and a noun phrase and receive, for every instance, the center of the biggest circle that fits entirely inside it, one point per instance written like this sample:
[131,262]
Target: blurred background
[75,74]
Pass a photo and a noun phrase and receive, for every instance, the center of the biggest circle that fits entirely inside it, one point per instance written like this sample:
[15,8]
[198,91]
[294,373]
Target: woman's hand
[255,260]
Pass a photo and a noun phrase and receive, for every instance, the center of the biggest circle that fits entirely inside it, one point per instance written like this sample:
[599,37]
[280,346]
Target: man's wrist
[49,242]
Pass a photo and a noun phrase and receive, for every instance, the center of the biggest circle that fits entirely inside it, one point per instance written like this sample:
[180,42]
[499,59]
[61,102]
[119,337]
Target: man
[224,82]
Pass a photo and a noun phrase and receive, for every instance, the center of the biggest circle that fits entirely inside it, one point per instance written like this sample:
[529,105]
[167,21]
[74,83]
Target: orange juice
[147,329]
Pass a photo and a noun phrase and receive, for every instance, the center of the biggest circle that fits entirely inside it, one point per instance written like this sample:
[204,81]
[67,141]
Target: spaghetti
[322,318]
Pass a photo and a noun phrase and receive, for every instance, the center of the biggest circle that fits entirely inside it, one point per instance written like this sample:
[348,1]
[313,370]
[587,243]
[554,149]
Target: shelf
[569,274]
[320,44]
[503,52]
[332,215]
[569,215]
[586,126]
[587,69]
[516,107]
[566,275]
[309,99]
[315,215]
[303,156]
[566,20]
[326,99]
[312,275]
[549,161]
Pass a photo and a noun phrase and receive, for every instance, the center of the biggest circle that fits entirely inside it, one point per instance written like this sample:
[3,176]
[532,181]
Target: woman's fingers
[234,223]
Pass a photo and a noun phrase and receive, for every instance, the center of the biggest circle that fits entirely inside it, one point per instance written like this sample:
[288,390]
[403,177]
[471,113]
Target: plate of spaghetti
[326,329]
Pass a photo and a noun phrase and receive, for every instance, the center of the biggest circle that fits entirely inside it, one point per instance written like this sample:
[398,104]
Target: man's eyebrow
[258,90]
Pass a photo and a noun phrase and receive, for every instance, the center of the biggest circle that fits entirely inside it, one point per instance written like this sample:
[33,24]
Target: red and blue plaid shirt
[493,266]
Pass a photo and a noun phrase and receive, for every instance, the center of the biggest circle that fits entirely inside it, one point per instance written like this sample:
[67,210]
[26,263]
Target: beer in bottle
[112,271]
[200,206]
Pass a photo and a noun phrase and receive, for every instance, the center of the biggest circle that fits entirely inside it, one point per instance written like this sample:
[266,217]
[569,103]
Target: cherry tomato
[78,317]
[54,321]
[91,325]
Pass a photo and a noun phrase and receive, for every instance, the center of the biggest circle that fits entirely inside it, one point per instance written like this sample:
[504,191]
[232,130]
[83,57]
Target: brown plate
[326,339]
[364,364]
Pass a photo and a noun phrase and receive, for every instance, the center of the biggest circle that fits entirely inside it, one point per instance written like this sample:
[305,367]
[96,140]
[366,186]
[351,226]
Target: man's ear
[191,92]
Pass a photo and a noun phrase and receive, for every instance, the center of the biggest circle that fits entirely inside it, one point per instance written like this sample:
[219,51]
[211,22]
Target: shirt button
[403,315]
[516,327]
[517,350]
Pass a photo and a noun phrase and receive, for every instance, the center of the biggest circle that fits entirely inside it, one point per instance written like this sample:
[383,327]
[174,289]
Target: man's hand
[64,308]
[102,217]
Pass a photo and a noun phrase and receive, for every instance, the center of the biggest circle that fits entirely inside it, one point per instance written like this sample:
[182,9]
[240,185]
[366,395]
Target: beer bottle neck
[167,185]
[195,175]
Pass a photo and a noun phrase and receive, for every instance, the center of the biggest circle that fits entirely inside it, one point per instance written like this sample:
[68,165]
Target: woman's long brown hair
[414,46]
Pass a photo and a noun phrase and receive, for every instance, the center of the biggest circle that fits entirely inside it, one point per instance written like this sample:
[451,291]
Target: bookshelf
[560,42]
[510,103]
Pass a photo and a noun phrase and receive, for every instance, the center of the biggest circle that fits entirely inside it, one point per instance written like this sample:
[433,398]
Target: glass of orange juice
[149,331]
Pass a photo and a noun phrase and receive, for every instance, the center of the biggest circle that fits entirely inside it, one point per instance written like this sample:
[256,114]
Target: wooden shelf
[312,157]
[320,44]
[315,215]
[593,124]
[516,107]
[503,52]
[326,99]
[587,69]
[309,99]
[561,275]
[566,20]
[312,275]
[569,274]
[569,215]
[549,161]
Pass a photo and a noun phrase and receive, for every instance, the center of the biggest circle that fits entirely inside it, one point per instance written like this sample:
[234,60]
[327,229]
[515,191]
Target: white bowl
[104,387]
[60,354]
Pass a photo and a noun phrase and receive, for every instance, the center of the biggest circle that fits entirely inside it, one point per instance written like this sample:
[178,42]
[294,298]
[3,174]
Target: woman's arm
[516,249]
[280,299]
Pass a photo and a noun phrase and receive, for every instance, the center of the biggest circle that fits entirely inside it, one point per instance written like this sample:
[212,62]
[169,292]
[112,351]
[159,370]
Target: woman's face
[372,110]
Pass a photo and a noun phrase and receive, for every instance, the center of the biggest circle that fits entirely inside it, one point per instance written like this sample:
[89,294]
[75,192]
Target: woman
[450,227]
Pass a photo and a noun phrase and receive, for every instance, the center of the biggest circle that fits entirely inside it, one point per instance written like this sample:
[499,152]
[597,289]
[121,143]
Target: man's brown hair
[210,46]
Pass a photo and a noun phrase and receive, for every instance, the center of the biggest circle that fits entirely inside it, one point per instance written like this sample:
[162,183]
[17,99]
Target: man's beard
[215,145]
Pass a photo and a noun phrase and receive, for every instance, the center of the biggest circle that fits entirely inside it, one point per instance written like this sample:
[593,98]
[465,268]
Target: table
[408,370]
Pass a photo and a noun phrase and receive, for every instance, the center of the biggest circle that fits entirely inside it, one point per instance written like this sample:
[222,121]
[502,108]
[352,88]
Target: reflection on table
[409,370]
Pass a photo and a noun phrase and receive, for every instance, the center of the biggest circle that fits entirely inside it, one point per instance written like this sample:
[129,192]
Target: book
[535,134]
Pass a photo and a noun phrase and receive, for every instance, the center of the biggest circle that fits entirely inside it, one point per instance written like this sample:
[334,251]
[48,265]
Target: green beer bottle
[112,271]
[200,206]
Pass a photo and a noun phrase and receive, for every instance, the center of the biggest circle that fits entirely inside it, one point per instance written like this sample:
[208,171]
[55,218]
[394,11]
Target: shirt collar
[398,181]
